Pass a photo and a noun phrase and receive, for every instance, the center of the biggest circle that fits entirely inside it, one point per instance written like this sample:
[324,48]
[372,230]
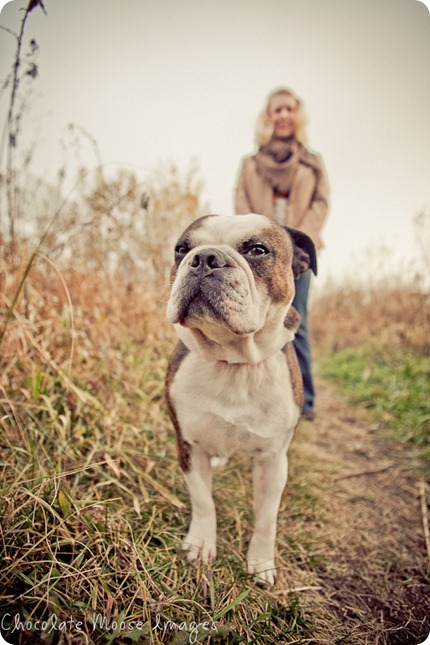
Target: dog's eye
[181,250]
[257,250]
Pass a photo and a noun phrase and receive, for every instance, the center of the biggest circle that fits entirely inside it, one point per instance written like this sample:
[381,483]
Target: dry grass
[394,317]
[93,505]
[92,500]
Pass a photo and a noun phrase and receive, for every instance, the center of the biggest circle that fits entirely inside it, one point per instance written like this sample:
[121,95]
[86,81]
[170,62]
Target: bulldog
[233,384]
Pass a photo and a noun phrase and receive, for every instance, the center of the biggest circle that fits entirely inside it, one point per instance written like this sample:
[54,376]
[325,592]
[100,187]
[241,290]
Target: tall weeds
[389,311]
[24,69]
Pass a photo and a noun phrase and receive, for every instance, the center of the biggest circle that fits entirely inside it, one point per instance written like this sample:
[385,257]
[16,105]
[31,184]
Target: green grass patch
[396,387]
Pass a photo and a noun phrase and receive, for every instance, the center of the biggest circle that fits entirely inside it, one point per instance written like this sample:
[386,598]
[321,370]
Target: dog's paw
[264,572]
[196,549]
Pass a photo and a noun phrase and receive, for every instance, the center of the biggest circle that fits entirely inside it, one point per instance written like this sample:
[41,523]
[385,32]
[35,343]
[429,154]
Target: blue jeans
[301,341]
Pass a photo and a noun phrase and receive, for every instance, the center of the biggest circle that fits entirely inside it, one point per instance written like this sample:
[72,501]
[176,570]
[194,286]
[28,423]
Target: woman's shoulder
[310,157]
[249,158]
[248,161]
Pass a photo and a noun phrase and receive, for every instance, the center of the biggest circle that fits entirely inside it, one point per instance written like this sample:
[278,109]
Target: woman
[285,181]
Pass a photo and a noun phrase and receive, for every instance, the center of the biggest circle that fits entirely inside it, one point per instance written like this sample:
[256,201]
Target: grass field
[376,347]
[93,505]
[394,387]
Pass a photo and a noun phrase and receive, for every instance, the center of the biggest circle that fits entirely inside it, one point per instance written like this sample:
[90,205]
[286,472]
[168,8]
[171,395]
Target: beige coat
[308,201]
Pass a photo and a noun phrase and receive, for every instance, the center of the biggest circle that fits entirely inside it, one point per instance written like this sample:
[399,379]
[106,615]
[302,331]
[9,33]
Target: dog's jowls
[233,385]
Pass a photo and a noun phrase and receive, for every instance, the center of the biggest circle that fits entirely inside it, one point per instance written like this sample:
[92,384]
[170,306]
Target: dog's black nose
[207,261]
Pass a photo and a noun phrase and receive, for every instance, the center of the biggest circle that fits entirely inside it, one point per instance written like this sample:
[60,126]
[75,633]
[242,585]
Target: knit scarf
[277,163]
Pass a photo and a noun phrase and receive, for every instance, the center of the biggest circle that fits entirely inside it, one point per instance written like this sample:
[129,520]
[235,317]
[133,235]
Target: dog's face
[232,278]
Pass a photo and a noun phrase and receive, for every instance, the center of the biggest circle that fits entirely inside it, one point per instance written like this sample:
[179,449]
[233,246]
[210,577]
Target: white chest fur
[232,410]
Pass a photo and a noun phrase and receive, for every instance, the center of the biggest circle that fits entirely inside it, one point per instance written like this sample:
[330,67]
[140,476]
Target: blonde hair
[264,126]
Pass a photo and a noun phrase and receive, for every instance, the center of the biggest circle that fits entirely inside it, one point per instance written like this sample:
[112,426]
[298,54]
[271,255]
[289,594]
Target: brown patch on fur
[272,270]
[301,262]
[184,448]
[292,320]
[295,374]
[279,283]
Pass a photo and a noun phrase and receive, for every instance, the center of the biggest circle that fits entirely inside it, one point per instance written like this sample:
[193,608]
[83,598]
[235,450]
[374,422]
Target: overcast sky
[152,80]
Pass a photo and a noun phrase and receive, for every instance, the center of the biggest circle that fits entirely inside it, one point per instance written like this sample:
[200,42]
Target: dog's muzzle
[212,284]
[207,261]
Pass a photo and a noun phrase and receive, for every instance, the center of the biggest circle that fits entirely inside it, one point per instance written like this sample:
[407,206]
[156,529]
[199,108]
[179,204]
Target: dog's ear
[305,255]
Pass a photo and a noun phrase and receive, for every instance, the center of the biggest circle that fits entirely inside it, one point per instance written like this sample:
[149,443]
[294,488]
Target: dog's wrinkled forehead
[233,230]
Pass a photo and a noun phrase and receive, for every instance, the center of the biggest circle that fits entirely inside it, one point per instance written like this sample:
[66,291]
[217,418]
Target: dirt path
[371,586]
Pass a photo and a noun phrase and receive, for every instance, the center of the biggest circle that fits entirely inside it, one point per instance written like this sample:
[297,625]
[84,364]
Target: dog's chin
[218,326]
[216,314]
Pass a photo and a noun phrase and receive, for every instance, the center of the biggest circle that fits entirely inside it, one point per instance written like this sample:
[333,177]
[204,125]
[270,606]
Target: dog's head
[233,284]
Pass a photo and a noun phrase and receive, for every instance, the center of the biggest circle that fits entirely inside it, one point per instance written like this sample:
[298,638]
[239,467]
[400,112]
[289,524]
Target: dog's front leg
[269,480]
[200,542]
